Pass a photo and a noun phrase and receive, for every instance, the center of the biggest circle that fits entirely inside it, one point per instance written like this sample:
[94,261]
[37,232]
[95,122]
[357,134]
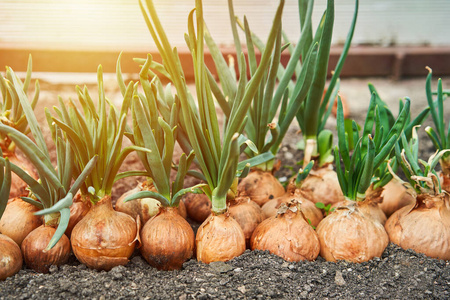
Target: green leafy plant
[315,110]
[438,136]
[12,114]
[369,153]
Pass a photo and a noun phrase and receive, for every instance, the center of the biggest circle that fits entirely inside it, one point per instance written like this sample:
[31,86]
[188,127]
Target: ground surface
[398,274]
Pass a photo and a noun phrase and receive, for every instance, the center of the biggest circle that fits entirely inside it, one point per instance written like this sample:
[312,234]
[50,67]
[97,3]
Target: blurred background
[392,38]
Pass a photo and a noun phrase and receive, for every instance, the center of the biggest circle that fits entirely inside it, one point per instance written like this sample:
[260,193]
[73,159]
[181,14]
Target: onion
[198,206]
[247,213]
[104,238]
[145,208]
[423,227]
[322,185]
[10,257]
[309,209]
[445,181]
[395,196]
[348,234]
[18,220]
[167,240]
[260,186]
[219,238]
[35,255]
[287,235]
[78,210]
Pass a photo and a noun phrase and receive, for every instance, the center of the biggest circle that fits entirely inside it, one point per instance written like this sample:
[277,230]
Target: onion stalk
[347,233]
[161,250]
[104,238]
[52,194]
[217,157]
[424,225]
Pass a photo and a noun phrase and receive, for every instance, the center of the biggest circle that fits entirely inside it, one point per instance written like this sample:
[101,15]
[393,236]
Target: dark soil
[398,274]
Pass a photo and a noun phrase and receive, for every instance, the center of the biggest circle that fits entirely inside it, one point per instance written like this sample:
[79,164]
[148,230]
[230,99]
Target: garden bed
[398,274]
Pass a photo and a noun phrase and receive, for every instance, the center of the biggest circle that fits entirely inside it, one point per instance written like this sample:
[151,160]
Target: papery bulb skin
[287,235]
[10,257]
[35,255]
[78,210]
[219,238]
[18,220]
[369,207]
[145,208]
[260,186]
[322,185]
[104,238]
[247,213]
[198,206]
[423,227]
[167,240]
[348,234]
[445,180]
[308,208]
[395,196]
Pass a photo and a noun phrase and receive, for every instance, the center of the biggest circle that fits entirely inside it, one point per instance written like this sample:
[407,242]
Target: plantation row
[346,202]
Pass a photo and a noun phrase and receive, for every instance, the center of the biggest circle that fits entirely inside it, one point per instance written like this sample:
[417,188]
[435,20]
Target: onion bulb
[348,234]
[247,213]
[167,240]
[445,181]
[104,238]
[423,227]
[198,206]
[18,220]
[35,255]
[145,207]
[322,185]
[10,257]
[219,238]
[308,208]
[395,196]
[287,235]
[260,186]
[78,209]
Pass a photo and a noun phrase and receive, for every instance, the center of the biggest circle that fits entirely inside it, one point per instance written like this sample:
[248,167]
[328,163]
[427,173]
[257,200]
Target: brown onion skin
[445,181]
[198,206]
[167,240]
[33,249]
[78,210]
[139,207]
[287,235]
[423,227]
[260,186]
[395,196]
[10,257]
[370,209]
[309,209]
[18,220]
[322,185]
[348,234]
[247,213]
[219,238]
[104,238]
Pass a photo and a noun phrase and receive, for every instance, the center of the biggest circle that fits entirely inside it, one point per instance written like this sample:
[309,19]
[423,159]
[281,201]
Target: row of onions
[340,214]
